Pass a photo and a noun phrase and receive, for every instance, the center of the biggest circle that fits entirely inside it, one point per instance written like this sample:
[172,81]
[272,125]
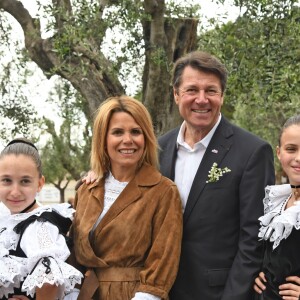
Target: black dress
[280,233]
[280,263]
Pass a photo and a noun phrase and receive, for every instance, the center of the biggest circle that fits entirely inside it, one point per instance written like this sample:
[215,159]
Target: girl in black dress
[280,275]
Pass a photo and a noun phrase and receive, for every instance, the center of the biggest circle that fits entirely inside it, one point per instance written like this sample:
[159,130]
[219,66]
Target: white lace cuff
[48,270]
[145,296]
[12,272]
[73,295]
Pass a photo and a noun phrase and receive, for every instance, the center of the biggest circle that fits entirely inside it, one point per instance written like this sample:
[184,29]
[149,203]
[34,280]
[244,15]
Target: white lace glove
[145,296]
[73,295]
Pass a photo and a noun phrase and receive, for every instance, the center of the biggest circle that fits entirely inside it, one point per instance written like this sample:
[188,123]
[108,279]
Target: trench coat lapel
[95,203]
[131,193]
[90,216]
[215,152]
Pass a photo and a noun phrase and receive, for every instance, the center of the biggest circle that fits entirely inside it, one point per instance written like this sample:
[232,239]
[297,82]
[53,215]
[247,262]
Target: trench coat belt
[118,274]
[96,275]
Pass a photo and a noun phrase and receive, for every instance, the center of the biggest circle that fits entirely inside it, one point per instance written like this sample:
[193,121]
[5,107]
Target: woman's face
[289,153]
[19,181]
[125,143]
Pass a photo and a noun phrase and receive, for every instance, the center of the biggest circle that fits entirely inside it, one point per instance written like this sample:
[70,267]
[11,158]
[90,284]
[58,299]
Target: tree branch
[21,14]
[64,11]
[32,33]
[165,39]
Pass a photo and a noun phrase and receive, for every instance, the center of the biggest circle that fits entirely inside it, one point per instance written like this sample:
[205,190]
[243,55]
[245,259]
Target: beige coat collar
[145,177]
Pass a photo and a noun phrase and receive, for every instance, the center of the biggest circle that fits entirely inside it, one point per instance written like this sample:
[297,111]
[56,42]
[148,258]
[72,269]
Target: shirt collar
[205,141]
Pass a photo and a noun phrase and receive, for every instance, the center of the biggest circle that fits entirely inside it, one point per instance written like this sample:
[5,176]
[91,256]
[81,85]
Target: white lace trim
[59,273]
[40,240]
[12,272]
[112,189]
[4,211]
[8,236]
[277,223]
[63,209]
[145,296]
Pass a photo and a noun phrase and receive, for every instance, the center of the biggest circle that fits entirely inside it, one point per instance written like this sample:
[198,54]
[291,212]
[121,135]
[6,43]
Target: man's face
[199,99]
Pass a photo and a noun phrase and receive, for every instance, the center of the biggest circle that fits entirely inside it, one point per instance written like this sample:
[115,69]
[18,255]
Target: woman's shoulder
[168,182]
[151,176]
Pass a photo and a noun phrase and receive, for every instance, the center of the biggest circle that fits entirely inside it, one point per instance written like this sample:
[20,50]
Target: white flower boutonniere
[215,173]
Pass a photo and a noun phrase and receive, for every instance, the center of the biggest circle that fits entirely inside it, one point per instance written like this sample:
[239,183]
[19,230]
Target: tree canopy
[66,38]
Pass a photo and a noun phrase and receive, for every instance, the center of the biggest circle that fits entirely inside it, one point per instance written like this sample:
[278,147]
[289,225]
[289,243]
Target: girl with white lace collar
[279,231]
[33,241]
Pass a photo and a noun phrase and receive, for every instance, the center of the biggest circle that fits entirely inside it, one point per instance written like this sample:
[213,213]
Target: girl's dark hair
[294,120]
[23,146]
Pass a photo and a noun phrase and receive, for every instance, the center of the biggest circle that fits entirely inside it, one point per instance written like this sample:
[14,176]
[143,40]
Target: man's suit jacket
[221,254]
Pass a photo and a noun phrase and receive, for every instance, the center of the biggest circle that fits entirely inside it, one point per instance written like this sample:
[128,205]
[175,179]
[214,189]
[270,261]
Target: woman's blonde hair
[100,162]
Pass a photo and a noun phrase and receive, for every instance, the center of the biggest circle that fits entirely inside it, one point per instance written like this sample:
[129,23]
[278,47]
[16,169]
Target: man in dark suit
[221,171]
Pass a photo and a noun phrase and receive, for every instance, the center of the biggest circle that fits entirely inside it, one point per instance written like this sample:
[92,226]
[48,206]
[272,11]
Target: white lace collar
[10,239]
[63,209]
[277,223]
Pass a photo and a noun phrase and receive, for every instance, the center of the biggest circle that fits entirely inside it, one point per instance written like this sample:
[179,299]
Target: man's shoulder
[249,136]
[168,136]
[244,134]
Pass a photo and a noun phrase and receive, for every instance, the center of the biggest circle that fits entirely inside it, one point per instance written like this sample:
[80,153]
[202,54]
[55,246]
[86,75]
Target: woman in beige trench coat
[128,224]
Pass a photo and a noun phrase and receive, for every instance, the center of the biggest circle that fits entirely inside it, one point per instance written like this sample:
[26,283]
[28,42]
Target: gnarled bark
[92,74]
[165,40]
[89,71]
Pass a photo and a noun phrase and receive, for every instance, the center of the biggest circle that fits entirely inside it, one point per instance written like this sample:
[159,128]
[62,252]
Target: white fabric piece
[188,160]
[277,223]
[113,188]
[73,295]
[43,244]
[12,272]
[145,296]
[45,238]
[4,211]
[61,274]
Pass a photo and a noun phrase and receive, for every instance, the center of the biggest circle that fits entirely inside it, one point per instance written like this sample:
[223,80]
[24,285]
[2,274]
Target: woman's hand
[90,177]
[291,289]
[18,297]
[259,283]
